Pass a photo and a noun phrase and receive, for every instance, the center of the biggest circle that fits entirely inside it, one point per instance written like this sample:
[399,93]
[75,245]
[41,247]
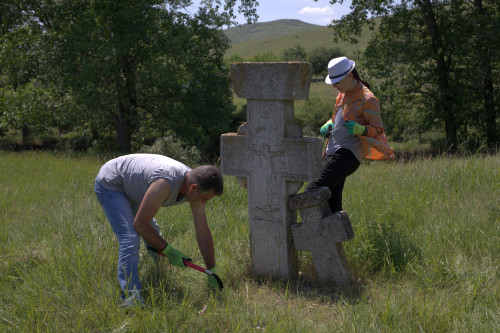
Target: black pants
[336,168]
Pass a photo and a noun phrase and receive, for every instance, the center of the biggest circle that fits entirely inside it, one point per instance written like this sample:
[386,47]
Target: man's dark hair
[208,178]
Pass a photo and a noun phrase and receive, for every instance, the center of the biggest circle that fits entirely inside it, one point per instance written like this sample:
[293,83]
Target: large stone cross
[273,157]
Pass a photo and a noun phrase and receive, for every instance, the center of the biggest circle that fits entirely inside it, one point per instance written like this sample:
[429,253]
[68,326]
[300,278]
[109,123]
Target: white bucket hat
[338,68]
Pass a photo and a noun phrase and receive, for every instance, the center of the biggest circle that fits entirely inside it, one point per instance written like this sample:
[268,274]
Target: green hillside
[251,32]
[275,38]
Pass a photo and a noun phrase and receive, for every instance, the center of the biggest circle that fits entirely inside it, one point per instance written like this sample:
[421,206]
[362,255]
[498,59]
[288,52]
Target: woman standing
[355,130]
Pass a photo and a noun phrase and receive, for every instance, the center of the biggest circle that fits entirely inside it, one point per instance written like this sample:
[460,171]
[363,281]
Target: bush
[312,114]
[75,141]
[264,57]
[174,148]
[320,57]
[296,53]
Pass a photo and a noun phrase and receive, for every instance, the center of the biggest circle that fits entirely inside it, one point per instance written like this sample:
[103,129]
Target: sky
[319,12]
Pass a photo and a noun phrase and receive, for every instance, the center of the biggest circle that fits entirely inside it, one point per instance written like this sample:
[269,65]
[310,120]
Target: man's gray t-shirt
[133,174]
[339,137]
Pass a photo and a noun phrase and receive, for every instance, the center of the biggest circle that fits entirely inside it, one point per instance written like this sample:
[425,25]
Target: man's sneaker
[132,301]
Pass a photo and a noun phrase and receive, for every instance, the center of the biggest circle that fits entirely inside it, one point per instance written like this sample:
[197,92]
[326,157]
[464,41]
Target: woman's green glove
[175,257]
[211,281]
[354,128]
[326,128]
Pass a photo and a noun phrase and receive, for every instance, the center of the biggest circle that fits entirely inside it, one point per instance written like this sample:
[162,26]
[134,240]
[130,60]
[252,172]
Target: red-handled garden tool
[198,268]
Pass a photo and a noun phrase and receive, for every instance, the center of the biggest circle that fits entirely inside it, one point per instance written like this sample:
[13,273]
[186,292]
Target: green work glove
[354,128]
[211,281]
[326,128]
[175,257]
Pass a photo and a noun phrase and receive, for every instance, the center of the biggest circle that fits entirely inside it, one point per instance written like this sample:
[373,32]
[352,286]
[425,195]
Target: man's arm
[203,234]
[155,195]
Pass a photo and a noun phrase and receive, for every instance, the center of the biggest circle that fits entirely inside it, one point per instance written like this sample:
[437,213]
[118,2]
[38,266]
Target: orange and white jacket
[361,105]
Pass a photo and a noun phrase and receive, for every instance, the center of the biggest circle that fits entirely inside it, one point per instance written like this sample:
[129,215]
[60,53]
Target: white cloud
[316,11]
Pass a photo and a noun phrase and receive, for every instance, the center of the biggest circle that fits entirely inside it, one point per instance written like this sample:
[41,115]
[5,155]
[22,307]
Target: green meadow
[274,37]
[310,39]
[425,256]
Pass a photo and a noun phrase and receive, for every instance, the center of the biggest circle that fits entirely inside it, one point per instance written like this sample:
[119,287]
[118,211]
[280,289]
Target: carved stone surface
[334,228]
[271,80]
[269,152]
[310,198]
[322,233]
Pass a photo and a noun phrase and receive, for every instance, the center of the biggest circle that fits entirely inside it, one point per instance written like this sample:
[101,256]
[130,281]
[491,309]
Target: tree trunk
[127,104]
[438,48]
[489,105]
[25,134]
[486,56]
[123,129]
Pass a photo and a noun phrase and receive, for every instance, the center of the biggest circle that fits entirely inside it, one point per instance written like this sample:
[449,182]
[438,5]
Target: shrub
[265,57]
[296,53]
[320,57]
[312,114]
[174,148]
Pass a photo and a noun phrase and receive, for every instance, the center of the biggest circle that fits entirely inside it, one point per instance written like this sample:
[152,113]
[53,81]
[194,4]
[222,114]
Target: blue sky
[319,12]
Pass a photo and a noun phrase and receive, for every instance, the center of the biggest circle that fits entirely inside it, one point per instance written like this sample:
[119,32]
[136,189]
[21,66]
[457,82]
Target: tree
[137,63]
[296,53]
[28,109]
[486,26]
[424,53]
[319,58]
[10,16]
[130,64]
[25,98]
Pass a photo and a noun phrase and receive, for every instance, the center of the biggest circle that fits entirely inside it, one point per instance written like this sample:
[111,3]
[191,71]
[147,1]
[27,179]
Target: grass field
[425,254]
[311,39]
[264,30]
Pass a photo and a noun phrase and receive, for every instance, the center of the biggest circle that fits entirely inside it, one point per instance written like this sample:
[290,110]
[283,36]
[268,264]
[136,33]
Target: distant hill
[276,36]
[255,31]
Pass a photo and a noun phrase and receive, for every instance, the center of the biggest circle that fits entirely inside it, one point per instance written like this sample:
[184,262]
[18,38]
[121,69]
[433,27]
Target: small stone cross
[273,157]
[322,233]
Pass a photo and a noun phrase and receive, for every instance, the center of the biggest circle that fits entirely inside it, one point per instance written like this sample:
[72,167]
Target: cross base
[322,233]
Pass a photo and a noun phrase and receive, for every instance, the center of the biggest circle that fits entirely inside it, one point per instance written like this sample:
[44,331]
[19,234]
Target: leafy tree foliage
[319,58]
[10,16]
[435,61]
[313,113]
[28,100]
[170,146]
[139,68]
[234,58]
[295,53]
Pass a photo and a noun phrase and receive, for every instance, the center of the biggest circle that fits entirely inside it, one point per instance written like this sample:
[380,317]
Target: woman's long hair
[356,76]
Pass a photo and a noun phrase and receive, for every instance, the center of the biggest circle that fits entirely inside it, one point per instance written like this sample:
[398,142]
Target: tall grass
[425,255]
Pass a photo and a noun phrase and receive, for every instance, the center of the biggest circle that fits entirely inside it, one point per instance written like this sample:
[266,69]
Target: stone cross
[271,155]
[322,233]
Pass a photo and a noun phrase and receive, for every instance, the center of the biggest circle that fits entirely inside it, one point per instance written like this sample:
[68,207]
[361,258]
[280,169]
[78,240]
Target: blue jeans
[121,213]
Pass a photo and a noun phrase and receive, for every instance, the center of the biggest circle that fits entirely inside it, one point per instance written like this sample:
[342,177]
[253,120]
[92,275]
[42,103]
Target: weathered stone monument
[322,233]
[270,152]
[272,160]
